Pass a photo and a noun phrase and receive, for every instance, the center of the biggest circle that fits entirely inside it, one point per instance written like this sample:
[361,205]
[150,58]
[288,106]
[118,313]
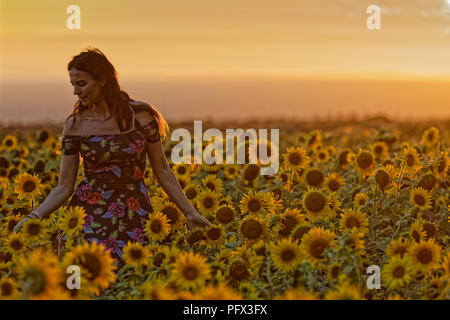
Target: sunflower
[72,221]
[313,177]
[96,263]
[397,272]
[290,218]
[364,163]
[250,172]
[355,242]
[39,274]
[333,183]
[417,232]
[11,222]
[315,242]
[425,254]
[430,228]
[254,203]
[354,219]
[15,245]
[27,186]
[420,198]
[225,214]
[342,159]
[286,255]
[191,191]
[157,227]
[315,204]
[360,200]
[219,291]
[299,231]
[334,204]
[183,181]
[253,229]
[136,255]
[172,213]
[213,183]
[322,155]
[441,165]
[333,271]
[9,142]
[238,271]
[430,137]
[191,270]
[214,235]
[297,294]
[384,176]
[411,160]
[156,290]
[8,289]
[208,202]
[181,170]
[34,230]
[379,150]
[398,247]
[428,182]
[231,171]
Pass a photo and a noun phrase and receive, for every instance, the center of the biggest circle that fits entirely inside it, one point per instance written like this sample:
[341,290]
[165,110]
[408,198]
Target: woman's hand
[21,222]
[195,220]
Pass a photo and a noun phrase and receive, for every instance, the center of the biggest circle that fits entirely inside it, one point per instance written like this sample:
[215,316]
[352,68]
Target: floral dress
[113,192]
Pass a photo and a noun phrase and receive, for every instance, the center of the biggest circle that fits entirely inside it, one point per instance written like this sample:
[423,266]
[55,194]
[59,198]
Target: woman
[113,133]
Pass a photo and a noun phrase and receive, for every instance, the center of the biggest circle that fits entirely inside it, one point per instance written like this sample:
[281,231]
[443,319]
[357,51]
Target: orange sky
[259,39]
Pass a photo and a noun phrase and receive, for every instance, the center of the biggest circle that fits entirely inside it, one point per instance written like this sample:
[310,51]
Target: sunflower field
[344,201]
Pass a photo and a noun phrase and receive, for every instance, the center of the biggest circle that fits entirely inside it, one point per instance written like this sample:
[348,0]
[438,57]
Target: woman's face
[88,90]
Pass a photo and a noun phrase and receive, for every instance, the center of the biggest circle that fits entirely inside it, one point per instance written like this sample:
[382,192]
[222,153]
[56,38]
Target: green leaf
[102,202]
[91,183]
[95,225]
[106,156]
[115,234]
[348,269]
[103,143]
[130,214]
[113,220]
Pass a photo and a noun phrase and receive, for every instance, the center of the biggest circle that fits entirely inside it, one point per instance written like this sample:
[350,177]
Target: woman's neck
[100,109]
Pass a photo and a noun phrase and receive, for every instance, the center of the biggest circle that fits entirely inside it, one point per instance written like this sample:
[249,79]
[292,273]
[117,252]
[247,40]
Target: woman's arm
[65,187]
[170,185]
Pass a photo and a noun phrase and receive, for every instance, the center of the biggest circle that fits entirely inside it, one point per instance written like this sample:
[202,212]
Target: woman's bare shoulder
[143,111]
[71,127]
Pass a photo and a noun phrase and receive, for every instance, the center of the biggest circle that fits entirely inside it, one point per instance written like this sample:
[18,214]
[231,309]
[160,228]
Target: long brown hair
[94,62]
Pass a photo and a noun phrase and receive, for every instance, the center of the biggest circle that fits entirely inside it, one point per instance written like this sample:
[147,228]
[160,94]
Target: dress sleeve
[70,145]
[151,131]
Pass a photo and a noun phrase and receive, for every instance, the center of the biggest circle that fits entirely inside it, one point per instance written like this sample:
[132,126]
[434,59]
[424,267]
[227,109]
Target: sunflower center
[289,223]
[343,158]
[441,166]
[29,186]
[190,272]
[317,248]
[73,222]
[300,232]
[333,185]
[430,229]
[378,150]
[238,270]
[362,202]
[33,229]
[416,236]
[295,159]
[419,199]
[171,213]
[208,202]
[11,225]
[211,186]
[6,289]
[315,201]
[400,250]
[410,160]
[93,265]
[424,256]
[251,229]
[181,170]
[8,143]
[398,272]
[16,244]
[158,259]
[156,226]
[334,272]
[224,215]
[195,236]
[364,160]
[252,172]
[314,177]
[191,193]
[136,254]
[287,255]
[231,170]
[382,178]
[214,233]
[352,222]
[428,181]
[254,205]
